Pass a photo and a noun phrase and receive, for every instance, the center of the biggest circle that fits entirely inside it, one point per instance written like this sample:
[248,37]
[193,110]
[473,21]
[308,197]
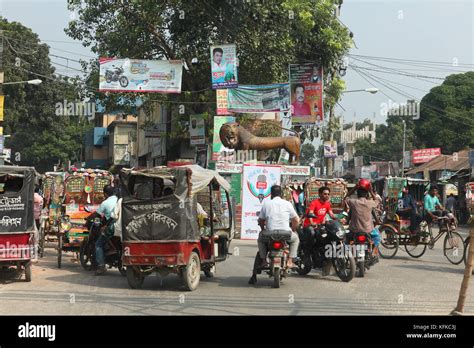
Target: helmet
[364,184]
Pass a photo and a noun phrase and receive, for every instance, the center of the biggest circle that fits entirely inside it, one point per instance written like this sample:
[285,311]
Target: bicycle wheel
[389,242]
[416,250]
[453,247]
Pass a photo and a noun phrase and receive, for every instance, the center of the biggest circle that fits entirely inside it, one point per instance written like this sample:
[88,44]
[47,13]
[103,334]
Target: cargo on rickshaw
[18,235]
[83,193]
[185,228]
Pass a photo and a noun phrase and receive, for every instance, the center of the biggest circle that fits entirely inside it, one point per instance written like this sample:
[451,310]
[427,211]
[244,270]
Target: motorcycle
[328,244]
[116,74]
[365,250]
[278,255]
[112,248]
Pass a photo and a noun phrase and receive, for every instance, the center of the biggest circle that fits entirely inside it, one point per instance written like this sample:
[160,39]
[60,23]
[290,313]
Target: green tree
[38,137]
[269,35]
[446,115]
[389,141]
[308,153]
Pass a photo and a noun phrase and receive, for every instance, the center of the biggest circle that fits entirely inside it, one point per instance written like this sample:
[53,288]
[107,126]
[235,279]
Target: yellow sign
[1,130]
[1,107]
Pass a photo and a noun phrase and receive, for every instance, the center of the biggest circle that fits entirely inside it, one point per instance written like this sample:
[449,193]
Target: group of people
[407,208]
[278,214]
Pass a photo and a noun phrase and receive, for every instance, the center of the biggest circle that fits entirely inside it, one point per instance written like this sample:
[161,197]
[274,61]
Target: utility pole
[403,151]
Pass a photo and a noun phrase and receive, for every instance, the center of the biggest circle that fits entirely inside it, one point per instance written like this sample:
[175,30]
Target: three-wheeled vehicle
[83,193]
[17,224]
[185,229]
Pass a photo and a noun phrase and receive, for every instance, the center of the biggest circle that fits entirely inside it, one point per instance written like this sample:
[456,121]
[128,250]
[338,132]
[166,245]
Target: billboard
[257,181]
[259,98]
[424,155]
[330,149]
[224,66]
[197,130]
[137,75]
[306,82]
[217,147]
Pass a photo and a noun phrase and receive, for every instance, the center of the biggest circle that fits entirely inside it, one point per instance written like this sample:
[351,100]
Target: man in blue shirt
[407,209]
[106,208]
[433,207]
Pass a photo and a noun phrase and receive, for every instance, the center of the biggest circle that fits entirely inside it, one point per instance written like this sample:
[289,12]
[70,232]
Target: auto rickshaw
[184,230]
[17,224]
[83,193]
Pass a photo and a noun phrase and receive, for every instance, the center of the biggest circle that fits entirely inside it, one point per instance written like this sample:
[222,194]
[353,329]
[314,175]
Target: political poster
[257,181]
[218,149]
[197,130]
[224,66]
[134,75]
[259,98]
[306,82]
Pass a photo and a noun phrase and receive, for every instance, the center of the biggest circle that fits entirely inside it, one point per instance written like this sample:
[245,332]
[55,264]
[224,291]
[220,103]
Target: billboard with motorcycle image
[137,75]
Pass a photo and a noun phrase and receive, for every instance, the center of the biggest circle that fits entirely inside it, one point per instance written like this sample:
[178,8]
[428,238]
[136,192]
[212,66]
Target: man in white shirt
[276,214]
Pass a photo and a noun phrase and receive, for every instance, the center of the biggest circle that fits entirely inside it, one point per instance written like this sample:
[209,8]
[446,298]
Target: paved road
[401,286]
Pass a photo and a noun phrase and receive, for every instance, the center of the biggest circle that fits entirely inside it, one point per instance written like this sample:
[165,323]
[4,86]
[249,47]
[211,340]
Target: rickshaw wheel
[415,251]
[388,250]
[28,272]
[192,272]
[60,250]
[134,277]
[453,241]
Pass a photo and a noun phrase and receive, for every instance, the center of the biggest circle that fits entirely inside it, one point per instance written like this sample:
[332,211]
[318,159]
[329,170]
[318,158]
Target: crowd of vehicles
[180,220]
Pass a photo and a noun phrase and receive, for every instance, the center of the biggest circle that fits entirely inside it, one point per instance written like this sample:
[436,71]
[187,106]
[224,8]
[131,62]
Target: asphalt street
[400,286]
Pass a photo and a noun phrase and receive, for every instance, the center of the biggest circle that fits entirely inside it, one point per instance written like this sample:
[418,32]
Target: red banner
[425,155]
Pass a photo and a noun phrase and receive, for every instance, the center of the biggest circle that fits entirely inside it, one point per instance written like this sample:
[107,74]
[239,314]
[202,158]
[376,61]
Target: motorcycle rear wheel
[361,269]
[305,265]
[276,277]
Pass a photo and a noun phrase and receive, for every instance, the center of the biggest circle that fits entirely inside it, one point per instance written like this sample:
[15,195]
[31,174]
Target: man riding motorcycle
[361,208]
[319,207]
[275,215]
[105,209]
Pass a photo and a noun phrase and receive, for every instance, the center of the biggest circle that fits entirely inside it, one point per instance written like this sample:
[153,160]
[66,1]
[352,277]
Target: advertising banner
[222,102]
[134,75]
[224,66]
[306,82]
[296,170]
[330,149]
[217,147]
[197,130]
[257,181]
[425,155]
[286,124]
[259,98]
[229,168]
[201,155]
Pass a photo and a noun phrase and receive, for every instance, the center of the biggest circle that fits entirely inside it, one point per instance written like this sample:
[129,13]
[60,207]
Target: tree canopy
[38,136]
[269,35]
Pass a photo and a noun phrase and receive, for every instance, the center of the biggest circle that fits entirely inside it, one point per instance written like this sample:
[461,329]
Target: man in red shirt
[300,108]
[319,207]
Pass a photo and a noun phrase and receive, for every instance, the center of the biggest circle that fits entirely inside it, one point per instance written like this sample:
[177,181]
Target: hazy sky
[428,30]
